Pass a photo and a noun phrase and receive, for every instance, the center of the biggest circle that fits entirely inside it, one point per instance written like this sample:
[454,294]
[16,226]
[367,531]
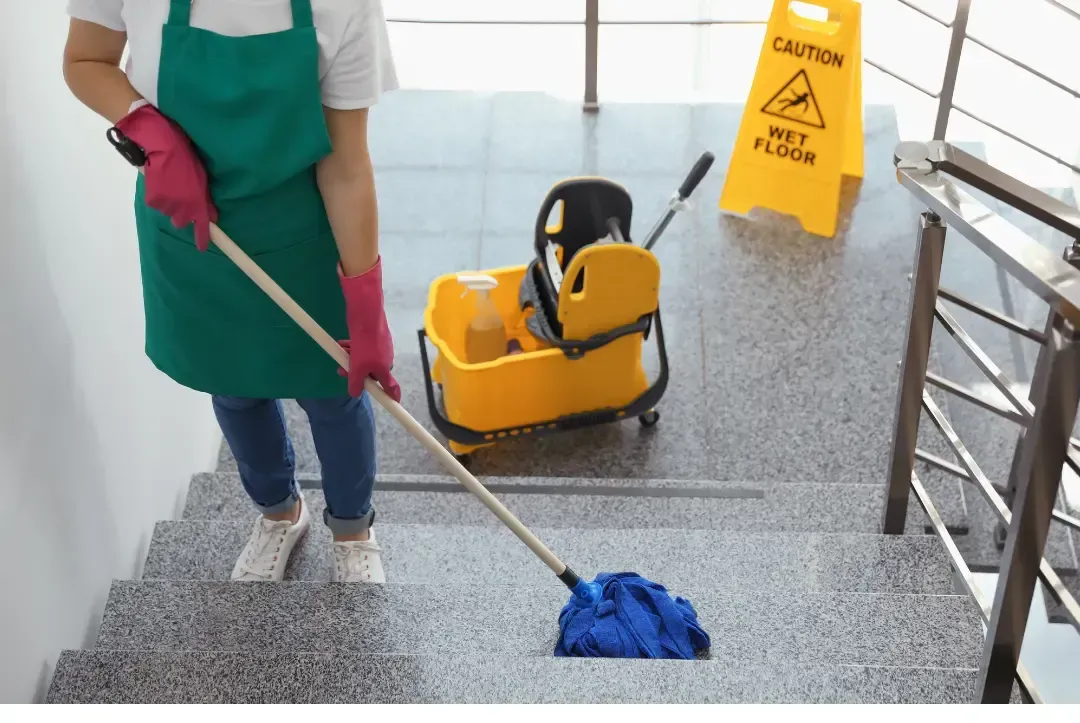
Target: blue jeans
[344,432]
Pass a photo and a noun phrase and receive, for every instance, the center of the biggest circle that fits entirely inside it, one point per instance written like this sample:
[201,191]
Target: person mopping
[254,115]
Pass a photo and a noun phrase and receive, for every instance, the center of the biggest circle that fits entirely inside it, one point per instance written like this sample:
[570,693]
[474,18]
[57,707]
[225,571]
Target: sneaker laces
[354,558]
[264,547]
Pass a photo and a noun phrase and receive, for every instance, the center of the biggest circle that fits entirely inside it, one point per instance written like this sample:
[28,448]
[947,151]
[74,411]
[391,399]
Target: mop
[619,615]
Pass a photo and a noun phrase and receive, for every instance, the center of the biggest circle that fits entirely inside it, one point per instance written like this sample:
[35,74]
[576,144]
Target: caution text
[805,50]
[784,143]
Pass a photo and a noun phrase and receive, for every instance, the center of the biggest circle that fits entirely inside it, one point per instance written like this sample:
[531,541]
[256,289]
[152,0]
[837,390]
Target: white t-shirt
[355,63]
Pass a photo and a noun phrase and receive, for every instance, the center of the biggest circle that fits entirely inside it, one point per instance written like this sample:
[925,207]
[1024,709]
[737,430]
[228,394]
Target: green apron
[253,108]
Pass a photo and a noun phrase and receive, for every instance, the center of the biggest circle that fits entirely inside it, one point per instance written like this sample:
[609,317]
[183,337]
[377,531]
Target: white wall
[95,444]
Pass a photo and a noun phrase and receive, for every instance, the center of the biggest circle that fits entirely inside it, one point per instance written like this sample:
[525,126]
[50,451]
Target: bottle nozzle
[477,282]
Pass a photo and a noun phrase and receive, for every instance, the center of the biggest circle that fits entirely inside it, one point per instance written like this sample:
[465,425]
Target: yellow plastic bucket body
[530,390]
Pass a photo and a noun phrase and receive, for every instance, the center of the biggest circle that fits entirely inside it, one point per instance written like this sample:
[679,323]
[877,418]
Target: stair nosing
[106,675]
[900,539]
[510,586]
[508,656]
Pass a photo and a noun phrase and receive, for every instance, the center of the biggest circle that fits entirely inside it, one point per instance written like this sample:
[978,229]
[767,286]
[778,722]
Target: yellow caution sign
[802,129]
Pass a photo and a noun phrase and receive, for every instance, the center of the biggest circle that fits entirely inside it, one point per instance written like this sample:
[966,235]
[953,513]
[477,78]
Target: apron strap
[180,12]
[301,14]
[302,17]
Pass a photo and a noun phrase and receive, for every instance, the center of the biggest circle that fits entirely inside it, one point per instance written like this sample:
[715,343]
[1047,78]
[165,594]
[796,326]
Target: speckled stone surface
[196,550]
[783,507]
[220,677]
[803,333]
[852,628]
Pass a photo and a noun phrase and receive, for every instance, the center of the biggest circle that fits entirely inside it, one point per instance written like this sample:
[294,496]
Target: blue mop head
[633,618]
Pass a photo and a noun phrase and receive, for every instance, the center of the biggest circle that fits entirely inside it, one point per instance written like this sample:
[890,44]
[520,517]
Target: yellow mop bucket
[578,315]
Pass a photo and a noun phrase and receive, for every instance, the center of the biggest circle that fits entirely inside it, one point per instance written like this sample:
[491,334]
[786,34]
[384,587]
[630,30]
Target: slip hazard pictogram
[796,102]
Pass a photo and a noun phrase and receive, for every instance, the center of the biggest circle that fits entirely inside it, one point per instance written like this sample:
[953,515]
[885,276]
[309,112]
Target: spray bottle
[485,337]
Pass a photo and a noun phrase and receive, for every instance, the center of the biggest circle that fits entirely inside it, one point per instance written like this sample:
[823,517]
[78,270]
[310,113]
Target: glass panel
[730,61]
[742,10]
[671,10]
[1035,33]
[541,58]
[915,111]
[548,10]
[647,62]
[942,9]
[649,10]
[909,44]
[1014,100]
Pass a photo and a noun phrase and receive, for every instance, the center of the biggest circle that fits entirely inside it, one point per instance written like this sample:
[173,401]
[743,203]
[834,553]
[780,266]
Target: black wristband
[126,147]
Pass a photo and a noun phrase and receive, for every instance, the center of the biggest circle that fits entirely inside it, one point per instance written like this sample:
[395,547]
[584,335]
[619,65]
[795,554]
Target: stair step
[587,503]
[207,550]
[107,676]
[844,628]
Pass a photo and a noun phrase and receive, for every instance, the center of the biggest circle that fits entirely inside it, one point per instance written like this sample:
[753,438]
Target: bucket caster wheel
[464,459]
[649,419]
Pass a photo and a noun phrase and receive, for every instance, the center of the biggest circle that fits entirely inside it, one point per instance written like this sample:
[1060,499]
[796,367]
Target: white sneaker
[358,561]
[267,551]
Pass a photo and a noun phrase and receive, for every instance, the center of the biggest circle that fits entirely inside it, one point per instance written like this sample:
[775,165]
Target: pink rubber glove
[370,346]
[176,183]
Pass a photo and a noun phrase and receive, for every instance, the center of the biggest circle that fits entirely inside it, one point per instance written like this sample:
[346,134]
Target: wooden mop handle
[327,342]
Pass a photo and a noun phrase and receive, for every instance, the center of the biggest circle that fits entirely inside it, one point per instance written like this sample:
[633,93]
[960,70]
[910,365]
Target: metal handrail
[1047,418]
[958,390]
[1063,8]
[926,13]
[920,168]
[892,73]
[989,314]
[957,471]
[993,497]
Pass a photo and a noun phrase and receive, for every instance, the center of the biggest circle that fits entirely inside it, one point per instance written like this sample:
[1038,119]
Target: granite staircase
[795,614]
[783,349]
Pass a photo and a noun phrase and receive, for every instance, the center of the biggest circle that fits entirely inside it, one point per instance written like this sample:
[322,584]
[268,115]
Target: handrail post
[592,42]
[952,68]
[929,248]
[1042,457]
[1072,256]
